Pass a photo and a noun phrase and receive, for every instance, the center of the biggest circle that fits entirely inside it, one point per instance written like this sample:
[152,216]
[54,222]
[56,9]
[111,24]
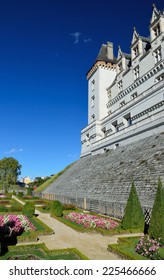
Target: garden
[18,223]
[151,244]
[148,246]
[24,226]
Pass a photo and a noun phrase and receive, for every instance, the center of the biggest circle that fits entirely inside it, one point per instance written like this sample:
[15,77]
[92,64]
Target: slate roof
[102,55]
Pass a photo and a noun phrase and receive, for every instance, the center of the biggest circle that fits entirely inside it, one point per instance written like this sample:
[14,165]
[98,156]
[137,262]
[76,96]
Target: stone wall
[101,183]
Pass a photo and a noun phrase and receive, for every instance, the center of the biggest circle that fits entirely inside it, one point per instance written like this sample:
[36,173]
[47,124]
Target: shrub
[3,208]
[28,209]
[156,229]
[16,207]
[133,217]
[56,208]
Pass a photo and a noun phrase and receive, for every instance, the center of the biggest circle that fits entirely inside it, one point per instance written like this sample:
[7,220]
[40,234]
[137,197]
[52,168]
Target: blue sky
[46,49]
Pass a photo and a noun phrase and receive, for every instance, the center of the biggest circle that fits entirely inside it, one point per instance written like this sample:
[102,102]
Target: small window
[134,95]
[120,86]
[120,68]
[93,101]
[92,118]
[156,30]
[109,94]
[93,85]
[159,78]
[128,119]
[135,51]
[157,55]
[122,103]
[136,73]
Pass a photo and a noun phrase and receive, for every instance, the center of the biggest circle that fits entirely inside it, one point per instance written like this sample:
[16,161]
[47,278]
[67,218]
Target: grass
[41,252]
[51,180]
[126,248]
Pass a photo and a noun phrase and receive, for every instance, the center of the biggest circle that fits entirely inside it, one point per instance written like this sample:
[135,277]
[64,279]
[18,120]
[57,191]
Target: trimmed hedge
[156,229]
[40,251]
[28,209]
[56,209]
[133,217]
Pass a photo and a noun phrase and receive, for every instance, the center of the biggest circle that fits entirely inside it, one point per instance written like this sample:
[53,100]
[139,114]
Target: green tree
[10,169]
[156,229]
[133,217]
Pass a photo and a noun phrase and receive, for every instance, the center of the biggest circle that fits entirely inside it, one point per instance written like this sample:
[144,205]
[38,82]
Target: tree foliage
[38,181]
[10,169]
[156,229]
[133,217]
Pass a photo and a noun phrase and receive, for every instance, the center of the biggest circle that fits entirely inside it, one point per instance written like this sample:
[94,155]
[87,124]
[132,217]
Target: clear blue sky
[46,48]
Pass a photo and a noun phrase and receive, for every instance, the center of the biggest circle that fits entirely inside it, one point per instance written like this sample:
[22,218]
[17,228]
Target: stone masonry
[101,183]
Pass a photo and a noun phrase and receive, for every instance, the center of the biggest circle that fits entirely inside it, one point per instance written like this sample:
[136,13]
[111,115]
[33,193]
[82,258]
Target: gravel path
[93,245]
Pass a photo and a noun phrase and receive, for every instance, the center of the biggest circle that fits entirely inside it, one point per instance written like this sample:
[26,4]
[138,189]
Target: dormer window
[156,30]
[135,51]
[120,68]
[157,55]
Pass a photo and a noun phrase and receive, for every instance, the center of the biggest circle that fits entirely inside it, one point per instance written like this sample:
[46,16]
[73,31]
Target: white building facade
[126,94]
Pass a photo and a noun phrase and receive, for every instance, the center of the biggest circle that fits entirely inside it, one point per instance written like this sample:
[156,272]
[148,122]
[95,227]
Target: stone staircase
[104,180]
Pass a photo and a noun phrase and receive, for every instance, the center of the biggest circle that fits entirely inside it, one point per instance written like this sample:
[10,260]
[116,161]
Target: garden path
[93,245]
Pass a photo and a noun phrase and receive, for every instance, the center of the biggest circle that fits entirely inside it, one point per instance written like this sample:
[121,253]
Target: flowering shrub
[14,225]
[91,221]
[148,247]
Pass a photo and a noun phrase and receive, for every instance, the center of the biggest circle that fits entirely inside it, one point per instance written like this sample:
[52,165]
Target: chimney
[110,50]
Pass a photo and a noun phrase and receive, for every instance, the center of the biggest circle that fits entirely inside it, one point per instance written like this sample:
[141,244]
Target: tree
[10,169]
[133,217]
[156,228]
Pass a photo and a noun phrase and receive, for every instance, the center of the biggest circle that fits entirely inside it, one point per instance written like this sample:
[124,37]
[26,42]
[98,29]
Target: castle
[126,94]
[125,104]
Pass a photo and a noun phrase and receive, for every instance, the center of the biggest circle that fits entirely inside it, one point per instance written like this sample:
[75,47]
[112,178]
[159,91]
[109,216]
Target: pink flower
[91,221]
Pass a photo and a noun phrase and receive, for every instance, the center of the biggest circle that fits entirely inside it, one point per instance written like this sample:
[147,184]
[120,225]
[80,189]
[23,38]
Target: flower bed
[149,248]
[14,224]
[91,221]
